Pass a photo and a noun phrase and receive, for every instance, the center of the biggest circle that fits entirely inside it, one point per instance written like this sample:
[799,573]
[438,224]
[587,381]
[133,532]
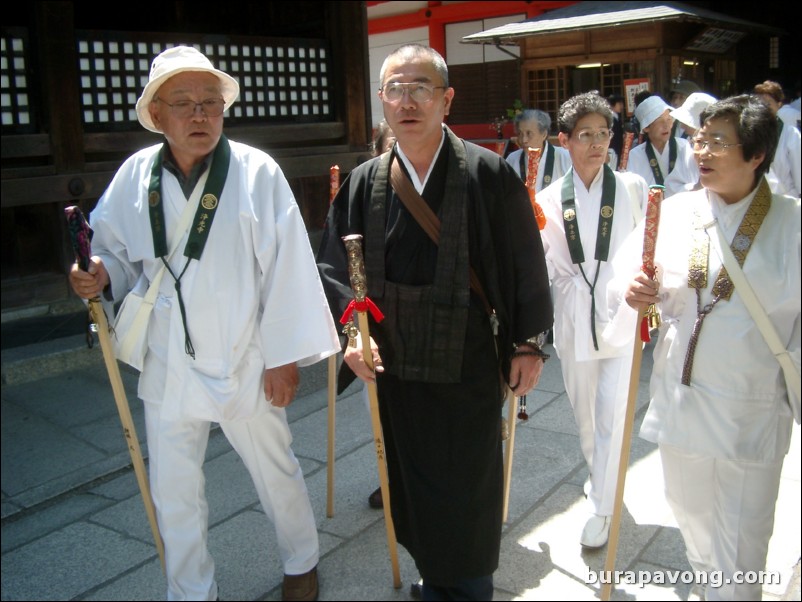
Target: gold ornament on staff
[361,305]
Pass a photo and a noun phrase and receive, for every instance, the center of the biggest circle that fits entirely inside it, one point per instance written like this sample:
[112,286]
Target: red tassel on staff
[651,319]
[533,158]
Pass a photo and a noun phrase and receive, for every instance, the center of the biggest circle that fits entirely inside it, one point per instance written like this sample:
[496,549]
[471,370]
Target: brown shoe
[300,587]
[375,499]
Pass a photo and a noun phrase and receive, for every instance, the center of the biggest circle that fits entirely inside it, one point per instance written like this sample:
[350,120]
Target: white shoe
[596,531]
[586,487]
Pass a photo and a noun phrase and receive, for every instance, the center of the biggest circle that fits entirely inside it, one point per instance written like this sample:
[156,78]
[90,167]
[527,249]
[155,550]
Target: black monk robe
[441,419]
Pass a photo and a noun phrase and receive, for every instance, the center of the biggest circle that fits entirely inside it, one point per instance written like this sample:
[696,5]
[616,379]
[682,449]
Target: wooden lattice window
[546,90]
[613,76]
[15,97]
[280,80]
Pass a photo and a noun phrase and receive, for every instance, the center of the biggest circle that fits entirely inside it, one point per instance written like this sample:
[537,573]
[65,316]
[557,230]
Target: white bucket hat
[172,62]
[692,108]
[649,110]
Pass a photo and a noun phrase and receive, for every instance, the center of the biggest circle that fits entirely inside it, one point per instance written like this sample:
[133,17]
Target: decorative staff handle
[334,182]
[533,159]
[361,305]
[81,236]
[625,148]
[334,186]
[651,319]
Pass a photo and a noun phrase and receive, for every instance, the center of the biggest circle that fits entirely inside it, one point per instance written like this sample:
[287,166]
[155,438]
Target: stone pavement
[74,528]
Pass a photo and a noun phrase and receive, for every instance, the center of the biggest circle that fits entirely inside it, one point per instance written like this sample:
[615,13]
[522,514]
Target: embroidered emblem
[606,211]
[209,201]
[569,215]
[153,198]
[546,179]
[653,162]
[741,242]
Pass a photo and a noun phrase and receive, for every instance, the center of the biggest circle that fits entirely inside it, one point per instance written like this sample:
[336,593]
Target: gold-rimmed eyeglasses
[714,147]
[418,91]
[211,107]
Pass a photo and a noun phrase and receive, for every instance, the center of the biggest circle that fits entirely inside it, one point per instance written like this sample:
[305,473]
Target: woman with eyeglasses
[720,410]
[663,158]
[589,213]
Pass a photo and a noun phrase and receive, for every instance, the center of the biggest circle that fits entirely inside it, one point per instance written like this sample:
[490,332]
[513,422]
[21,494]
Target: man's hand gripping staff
[81,236]
[363,358]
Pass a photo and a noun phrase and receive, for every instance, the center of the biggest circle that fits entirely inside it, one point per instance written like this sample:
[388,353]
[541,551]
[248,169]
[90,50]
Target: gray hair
[542,118]
[575,108]
[415,51]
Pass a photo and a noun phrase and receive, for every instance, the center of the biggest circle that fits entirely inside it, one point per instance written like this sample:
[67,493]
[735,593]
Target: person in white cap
[589,212]
[663,159]
[687,115]
[225,345]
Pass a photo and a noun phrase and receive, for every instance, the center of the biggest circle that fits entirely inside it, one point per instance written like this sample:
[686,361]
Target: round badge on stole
[153,198]
[741,242]
[546,179]
[569,215]
[606,211]
[653,162]
[209,202]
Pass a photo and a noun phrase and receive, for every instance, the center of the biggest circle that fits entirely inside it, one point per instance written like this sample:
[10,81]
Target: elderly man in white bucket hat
[225,345]
[662,159]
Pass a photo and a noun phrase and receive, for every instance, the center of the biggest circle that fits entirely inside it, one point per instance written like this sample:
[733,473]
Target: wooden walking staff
[533,160]
[334,186]
[361,305]
[81,235]
[646,321]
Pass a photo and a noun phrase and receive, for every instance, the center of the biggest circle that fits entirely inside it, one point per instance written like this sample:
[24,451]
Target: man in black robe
[439,366]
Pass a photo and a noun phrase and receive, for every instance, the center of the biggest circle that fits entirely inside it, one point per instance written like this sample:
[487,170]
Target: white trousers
[598,391]
[725,512]
[176,454]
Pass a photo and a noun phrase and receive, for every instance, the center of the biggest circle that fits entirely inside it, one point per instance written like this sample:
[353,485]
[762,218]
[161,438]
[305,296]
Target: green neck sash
[201,223]
[604,229]
[672,159]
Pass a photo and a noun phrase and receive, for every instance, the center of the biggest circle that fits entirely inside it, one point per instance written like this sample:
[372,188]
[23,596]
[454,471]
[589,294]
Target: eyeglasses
[714,147]
[586,137]
[418,91]
[211,107]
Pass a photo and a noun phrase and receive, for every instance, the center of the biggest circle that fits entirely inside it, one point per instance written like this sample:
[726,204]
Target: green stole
[672,160]
[201,223]
[604,229]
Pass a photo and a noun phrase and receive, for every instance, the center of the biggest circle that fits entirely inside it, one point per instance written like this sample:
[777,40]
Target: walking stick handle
[361,305]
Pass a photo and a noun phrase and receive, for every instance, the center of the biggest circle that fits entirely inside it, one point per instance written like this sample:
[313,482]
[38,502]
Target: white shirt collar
[413,175]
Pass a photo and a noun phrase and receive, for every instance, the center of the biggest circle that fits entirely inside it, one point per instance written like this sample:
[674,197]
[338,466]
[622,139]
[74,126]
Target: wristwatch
[535,344]
[537,341]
